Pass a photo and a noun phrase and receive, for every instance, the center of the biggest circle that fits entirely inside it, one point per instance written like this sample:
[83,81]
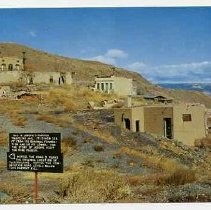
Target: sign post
[35,152]
[35,187]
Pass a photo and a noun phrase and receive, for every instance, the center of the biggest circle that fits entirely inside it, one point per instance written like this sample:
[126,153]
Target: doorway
[167,128]
[127,123]
[137,126]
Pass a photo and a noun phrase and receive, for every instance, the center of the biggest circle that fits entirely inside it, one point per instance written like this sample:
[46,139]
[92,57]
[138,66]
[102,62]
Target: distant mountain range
[202,87]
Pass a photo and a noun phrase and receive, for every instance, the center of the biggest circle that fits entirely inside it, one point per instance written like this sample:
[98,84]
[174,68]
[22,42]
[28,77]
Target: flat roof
[160,106]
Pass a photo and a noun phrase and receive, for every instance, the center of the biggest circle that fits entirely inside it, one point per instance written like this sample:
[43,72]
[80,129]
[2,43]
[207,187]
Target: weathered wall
[188,131]
[11,63]
[154,118]
[151,119]
[123,86]
[37,77]
[120,114]
[10,76]
[133,114]
[120,85]
[51,77]
[138,114]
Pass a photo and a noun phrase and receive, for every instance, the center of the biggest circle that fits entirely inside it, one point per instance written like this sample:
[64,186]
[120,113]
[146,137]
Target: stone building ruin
[12,70]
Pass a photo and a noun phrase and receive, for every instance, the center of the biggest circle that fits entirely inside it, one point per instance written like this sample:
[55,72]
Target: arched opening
[10,67]
[3,67]
[17,67]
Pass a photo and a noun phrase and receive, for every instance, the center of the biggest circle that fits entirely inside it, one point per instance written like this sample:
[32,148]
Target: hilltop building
[51,77]
[12,71]
[184,122]
[112,84]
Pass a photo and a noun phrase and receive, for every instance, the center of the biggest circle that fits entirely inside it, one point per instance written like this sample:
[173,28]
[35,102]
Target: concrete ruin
[184,122]
[112,84]
[12,71]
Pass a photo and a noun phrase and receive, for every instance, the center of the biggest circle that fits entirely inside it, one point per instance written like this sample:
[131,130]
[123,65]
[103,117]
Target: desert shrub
[88,185]
[88,163]
[68,144]
[98,148]
[204,142]
[179,177]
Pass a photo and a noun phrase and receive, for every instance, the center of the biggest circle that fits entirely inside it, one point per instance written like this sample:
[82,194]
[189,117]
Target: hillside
[126,166]
[84,70]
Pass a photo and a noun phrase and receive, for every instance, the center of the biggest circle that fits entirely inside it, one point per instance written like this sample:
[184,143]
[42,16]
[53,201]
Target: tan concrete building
[184,122]
[11,64]
[52,77]
[12,71]
[112,84]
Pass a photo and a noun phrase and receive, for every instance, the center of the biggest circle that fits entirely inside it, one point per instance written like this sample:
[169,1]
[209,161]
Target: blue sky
[163,44]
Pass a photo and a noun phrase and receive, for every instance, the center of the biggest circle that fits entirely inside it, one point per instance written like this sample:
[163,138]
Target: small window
[111,86]
[51,79]
[10,67]
[186,117]
[102,86]
[106,86]
[98,86]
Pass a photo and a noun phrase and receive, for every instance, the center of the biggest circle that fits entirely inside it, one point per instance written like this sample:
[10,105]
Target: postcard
[105,105]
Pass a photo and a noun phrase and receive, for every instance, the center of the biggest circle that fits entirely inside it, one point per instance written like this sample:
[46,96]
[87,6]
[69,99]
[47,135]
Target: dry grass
[146,179]
[3,138]
[16,118]
[3,165]
[104,135]
[61,121]
[74,97]
[88,185]
[17,190]
[158,162]
[13,111]
[179,177]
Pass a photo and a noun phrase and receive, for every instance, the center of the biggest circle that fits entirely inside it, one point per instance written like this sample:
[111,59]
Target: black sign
[35,142]
[35,162]
[38,152]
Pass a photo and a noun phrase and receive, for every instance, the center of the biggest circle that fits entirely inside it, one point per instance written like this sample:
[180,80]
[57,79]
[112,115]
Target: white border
[106,3]
[100,3]
[127,206]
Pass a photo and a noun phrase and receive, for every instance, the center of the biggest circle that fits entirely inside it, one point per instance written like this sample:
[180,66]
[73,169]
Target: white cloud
[136,66]
[116,53]
[187,72]
[33,33]
[103,59]
[110,56]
